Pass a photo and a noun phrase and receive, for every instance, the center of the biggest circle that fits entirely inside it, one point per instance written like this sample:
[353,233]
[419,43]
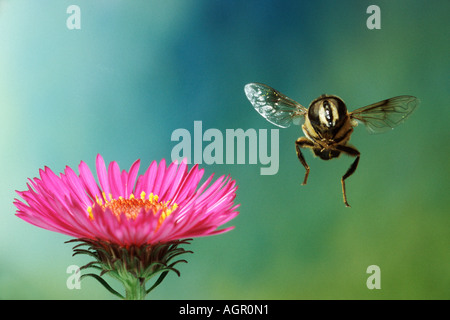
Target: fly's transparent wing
[387,114]
[274,106]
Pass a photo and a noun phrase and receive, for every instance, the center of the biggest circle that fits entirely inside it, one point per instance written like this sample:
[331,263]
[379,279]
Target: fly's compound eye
[327,111]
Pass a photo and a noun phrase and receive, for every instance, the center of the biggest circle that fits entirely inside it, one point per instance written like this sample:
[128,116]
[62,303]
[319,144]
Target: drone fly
[326,123]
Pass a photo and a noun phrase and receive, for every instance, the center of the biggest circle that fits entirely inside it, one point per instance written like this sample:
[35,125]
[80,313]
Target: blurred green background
[138,70]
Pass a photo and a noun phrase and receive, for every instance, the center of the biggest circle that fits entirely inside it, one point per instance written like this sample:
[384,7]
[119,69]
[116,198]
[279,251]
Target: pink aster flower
[131,224]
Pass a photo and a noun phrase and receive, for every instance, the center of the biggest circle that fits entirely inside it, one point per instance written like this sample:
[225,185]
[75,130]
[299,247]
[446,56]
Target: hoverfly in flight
[326,123]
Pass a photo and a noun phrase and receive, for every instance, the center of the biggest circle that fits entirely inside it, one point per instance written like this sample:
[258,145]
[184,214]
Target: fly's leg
[303,143]
[351,151]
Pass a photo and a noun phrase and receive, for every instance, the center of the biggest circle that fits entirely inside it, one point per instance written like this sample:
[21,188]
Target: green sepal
[133,266]
[103,283]
[157,282]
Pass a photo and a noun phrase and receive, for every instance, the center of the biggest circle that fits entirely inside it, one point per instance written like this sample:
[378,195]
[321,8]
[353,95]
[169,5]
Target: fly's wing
[385,115]
[274,106]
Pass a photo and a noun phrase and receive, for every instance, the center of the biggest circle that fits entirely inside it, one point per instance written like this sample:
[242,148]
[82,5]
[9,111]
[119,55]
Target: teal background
[138,70]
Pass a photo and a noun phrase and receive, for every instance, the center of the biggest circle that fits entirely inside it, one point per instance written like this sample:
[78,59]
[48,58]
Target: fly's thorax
[327,113]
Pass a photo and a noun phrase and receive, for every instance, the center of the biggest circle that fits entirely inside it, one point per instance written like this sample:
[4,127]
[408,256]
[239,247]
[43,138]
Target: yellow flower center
[132,206]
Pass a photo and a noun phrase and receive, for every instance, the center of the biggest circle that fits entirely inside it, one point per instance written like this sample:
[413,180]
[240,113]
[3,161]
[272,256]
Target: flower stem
[134,288]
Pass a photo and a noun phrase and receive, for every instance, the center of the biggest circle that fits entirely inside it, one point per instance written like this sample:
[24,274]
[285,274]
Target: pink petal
[88,180]
[132,177]
[115,180]
[102,175]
